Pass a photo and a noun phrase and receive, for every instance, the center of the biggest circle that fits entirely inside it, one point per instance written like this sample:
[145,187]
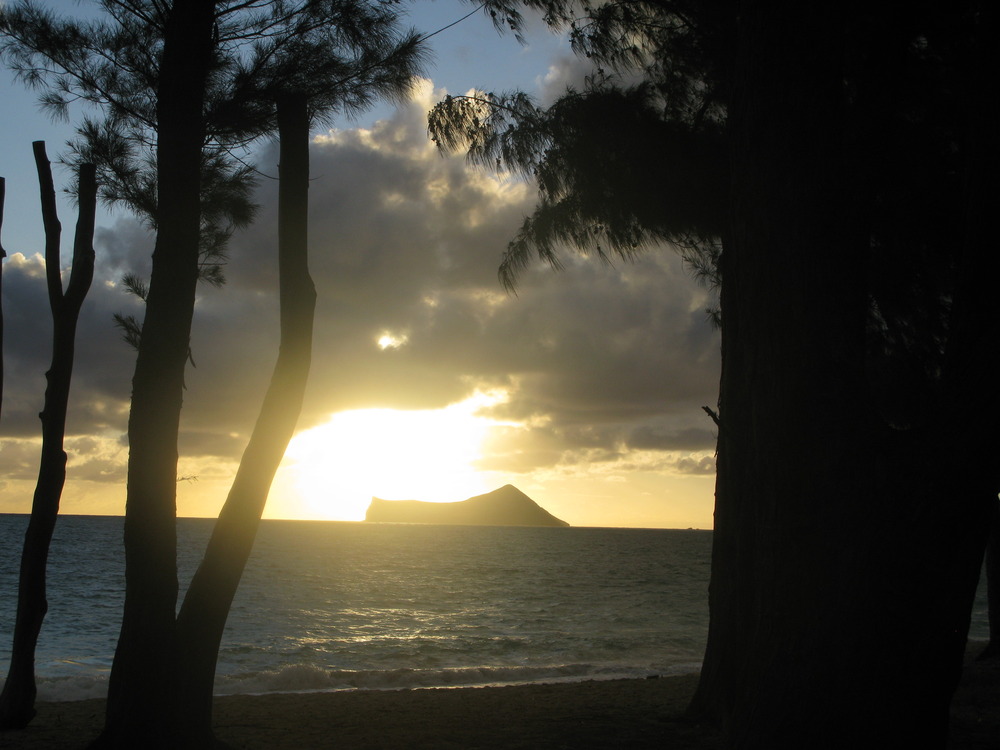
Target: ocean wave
[300,678]
[75,687]
[307,678]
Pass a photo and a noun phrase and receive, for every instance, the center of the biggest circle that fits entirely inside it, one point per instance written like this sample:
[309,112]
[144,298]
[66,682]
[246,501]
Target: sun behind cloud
[336,468]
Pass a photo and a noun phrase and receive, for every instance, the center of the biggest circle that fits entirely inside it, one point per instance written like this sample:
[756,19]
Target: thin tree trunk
[206,605]
[17,702]
[3,254]
[142,691]
[992,650]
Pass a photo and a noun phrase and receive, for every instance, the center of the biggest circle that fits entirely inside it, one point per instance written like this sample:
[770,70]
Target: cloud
[567,71]
[704,465]
[647,437]
[601,363]
[103,363]
[20,459]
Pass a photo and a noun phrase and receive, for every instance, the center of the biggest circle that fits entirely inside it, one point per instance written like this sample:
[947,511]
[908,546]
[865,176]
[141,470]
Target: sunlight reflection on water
[328,605]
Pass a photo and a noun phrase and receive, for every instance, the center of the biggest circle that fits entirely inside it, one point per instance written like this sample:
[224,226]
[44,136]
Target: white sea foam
[305,678]
[72,688]
[298,678]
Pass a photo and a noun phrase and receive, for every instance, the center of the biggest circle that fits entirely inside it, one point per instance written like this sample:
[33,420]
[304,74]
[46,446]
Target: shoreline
[591,715]
[596,714]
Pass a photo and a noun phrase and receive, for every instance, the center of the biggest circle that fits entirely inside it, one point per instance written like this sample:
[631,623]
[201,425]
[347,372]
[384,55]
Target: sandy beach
[606,714]
[610,714]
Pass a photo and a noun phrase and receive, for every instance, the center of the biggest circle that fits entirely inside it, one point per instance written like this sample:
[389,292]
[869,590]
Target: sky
[430,382]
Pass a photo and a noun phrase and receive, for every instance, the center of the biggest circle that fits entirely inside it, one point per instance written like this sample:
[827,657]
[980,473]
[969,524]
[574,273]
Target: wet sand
[633,714]
[603,714]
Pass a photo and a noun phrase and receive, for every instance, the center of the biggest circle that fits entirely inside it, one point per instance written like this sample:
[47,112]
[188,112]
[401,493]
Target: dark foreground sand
[633,714]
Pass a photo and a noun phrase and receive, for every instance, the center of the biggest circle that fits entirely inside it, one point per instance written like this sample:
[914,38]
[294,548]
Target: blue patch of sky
[469,54]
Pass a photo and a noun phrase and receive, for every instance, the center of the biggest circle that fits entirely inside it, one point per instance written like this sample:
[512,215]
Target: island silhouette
[506,506]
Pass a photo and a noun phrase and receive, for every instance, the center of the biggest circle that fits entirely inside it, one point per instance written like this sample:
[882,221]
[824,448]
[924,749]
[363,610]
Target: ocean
[330,605]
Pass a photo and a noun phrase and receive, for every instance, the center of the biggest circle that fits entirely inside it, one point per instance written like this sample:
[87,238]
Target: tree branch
[50,221]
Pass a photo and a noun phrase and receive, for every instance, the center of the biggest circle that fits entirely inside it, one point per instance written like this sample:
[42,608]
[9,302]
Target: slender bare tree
[17,701]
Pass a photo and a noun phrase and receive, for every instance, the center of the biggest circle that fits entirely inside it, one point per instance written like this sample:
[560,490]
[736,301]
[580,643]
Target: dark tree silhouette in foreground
[142,688]
[206,604]
[992,650]
[3,254]
[660,180]
[17,701]
[857,319]
[198,79]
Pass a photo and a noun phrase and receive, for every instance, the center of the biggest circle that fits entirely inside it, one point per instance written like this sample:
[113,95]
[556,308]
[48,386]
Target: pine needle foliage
[619,165]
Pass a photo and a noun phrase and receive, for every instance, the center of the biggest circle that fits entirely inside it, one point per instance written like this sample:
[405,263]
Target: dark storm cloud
[598,359]
[103,363]
[125,247]
[690,439]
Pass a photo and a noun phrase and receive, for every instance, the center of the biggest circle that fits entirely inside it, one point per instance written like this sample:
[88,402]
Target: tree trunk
[792,347]
[843,560]
[3,254]
[972,364]
[141,693]
[206,605]
[17,702]
[992,650]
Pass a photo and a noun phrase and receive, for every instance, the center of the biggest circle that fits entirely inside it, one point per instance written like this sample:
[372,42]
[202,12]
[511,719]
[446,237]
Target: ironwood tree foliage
[182,85]
[856,323]
[17,701]
[597,191]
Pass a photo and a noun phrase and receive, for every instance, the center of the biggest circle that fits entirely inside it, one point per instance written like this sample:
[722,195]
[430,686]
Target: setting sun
[337,467]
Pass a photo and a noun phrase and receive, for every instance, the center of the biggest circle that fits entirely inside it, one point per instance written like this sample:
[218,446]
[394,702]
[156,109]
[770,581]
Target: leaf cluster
[618,166]
[614,174]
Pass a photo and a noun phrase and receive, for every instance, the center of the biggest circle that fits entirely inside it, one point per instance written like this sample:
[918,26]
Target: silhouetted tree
[855,324]
[3,254]
[206,604]
[992,650]
[664,182]
[142,687]
[192,73]
[17,701]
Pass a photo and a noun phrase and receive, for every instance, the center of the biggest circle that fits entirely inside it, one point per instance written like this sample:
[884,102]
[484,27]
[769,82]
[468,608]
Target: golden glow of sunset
[394,454]
[388,340]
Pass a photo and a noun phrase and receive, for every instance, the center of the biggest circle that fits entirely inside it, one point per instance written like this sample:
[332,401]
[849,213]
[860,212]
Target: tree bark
[17,701]
[206,605]
[791,379]
[142,691]
[845,552]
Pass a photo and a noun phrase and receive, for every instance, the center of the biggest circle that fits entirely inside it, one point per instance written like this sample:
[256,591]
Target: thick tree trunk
[17,702]
[206,605]
[793,344]
[844,554]
[141,695]
[971,403]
